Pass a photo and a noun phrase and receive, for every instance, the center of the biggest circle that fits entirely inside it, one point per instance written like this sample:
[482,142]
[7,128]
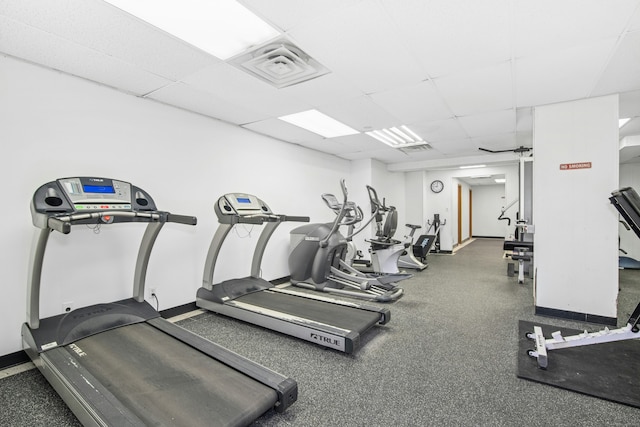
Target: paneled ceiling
[463,74]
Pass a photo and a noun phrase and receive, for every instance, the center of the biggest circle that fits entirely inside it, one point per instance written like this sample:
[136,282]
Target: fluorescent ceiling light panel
[622,122]
[316,122]
[473,166]
[223,28]
[397,137]
[500,180]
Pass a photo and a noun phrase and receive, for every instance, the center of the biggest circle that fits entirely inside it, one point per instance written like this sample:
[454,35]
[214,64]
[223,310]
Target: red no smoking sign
[571,166]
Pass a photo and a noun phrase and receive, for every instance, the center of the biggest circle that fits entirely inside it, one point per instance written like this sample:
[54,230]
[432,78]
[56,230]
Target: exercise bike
[408,257]
[384,250]
[317,257]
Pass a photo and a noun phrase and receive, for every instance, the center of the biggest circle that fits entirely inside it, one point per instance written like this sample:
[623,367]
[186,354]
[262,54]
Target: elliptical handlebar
[343,210]
[339,215]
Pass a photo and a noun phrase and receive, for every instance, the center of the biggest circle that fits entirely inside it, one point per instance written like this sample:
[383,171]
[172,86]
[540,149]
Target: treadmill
[321,320]
[120,363]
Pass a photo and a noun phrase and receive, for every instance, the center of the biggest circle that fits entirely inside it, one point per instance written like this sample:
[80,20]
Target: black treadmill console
[87,195]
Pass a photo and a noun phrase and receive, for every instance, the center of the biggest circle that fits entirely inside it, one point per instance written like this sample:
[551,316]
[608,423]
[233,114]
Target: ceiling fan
[519,150]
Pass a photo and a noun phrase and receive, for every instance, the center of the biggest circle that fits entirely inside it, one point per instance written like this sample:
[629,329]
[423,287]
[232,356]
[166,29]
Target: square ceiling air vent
[280,63]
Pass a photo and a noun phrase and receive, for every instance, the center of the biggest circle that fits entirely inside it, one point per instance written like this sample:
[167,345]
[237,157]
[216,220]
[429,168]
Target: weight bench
[521,252]
[627,202]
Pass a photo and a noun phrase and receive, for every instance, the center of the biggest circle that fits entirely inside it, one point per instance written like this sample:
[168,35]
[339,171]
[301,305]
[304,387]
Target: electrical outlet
[151,292]
[67,306]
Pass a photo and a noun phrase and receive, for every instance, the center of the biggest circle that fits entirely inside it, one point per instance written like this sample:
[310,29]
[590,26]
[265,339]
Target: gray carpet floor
[447,358]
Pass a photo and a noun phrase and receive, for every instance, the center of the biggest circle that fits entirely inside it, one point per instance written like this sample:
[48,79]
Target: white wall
[488,201]
[55,125]
[576,243]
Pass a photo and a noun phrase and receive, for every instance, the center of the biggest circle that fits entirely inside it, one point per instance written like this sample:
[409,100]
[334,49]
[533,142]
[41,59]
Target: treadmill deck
[166,382]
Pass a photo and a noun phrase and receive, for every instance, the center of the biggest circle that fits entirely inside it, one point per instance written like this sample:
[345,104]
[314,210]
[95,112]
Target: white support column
[576,237]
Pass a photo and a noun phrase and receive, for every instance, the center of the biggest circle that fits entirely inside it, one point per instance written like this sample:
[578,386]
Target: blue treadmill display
[104,189]
[243,200]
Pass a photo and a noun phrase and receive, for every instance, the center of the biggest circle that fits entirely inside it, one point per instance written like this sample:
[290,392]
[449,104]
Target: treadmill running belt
[327,313]
[166,382]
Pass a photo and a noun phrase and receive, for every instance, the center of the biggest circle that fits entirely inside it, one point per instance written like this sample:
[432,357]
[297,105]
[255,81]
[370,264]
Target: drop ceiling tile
[360,113]
[37,46]
[455,35]
[361,46]
[477,91]
[460,147]
[324,90]
[411,104]
[634,24]
[386,156]
[560,75]
[441,130]
[104,28]
[623,70]
[231,85]
[486,124]
[184,96]
[288,14]
[325,146]
[361,142]
[417,156]
[284,131]
[543,26]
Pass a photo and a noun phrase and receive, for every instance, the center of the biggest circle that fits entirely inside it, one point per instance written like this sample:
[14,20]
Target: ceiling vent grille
[280,63]
[416,148]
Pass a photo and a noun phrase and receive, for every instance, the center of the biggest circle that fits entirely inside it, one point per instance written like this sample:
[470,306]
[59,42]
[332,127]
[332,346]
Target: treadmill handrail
[225,225]
[63,223]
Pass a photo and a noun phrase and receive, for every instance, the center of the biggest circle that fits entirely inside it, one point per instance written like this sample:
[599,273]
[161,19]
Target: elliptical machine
[317,257]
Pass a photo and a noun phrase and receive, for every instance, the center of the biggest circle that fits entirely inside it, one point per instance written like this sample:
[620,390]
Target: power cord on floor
[157,301]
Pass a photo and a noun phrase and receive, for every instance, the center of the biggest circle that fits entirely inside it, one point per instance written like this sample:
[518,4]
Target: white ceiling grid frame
[326,146]
[360,113]
[359,39]
[228,85]
[492,123]
[561,75]
[104,28]
[413,103]
[479,90]
[328,89]
[289,14]
[45,49]
[361,142]
[440,130]
[456,147]
[276,128]
[634,22]
[184,96]
[543,26]
[623,68]
[479,36]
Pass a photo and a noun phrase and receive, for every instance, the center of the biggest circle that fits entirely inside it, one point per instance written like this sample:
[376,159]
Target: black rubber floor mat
[608,371]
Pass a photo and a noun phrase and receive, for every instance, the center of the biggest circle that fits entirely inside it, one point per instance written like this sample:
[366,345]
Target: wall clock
[437,186]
